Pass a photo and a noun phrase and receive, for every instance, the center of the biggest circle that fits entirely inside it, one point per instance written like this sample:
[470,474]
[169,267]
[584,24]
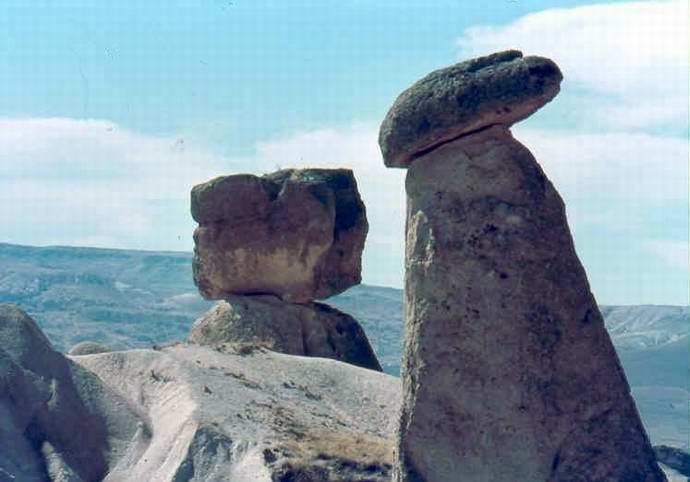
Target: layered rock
[296,234]
[313,329]
[508,372]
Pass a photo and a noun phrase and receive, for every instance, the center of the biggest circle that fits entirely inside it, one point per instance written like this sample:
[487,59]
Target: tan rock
[508,372]
[296,234]
[313,329]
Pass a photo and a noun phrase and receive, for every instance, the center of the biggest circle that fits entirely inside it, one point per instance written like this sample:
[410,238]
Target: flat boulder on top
[296,234]
[502,88]
[312,329]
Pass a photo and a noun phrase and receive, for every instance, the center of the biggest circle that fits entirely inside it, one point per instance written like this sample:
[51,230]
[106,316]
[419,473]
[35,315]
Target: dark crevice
[443,142]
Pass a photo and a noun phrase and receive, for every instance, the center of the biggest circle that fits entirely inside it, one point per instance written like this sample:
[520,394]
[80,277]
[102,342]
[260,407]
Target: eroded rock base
[508,373]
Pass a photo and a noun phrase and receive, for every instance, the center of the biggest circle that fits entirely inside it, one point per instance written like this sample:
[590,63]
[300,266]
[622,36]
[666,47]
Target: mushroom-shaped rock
[508,372]
[88,348]
[296,234]
[312,329]
[502,88]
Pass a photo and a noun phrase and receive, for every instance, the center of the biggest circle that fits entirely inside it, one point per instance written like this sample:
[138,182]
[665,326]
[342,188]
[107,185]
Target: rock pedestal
[312,329]
[508,372]
[268,246]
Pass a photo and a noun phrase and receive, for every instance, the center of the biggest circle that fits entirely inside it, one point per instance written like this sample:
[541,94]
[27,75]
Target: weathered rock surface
[296,234]
[57,420]
[501,88]
[508,373]
[251,416]
[188,413]
[87,348]
[313,329]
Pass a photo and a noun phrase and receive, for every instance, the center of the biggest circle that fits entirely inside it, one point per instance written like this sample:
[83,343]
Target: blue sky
[110,112]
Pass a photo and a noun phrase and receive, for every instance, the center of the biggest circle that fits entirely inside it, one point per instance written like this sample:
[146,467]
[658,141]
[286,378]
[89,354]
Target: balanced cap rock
[296,234]
[502,88]
[508,372]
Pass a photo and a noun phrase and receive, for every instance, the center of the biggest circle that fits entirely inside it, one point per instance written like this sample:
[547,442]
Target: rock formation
[296,234]
[265,244]
[313,329]
[59,421]
[187,413]
[508,372]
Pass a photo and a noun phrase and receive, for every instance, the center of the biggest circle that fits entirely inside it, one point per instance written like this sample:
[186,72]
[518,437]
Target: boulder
[62,423]
[508,372]
[313,329]
[296,234]
[87,348]
[502,88]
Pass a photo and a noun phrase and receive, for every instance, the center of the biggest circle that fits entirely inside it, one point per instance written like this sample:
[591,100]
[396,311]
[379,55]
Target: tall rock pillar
[508,372]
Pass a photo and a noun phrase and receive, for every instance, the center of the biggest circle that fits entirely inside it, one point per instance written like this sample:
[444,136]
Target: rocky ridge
[188,413]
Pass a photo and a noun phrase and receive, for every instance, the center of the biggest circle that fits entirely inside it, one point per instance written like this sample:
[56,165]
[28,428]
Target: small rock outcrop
[295,234]
[508,372]
[313,329]
[87,348]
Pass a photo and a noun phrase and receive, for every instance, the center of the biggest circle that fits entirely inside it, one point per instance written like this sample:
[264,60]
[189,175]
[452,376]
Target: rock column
[508,372]
[268,246]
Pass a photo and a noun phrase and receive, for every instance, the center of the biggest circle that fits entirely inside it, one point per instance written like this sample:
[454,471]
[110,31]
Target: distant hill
[129,299]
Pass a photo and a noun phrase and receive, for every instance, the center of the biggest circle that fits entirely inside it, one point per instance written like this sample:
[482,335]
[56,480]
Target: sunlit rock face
[296,234]
[508,372]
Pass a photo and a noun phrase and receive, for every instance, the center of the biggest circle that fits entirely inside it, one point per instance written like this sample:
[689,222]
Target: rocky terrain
[187,413]
[137,299]
[508,370]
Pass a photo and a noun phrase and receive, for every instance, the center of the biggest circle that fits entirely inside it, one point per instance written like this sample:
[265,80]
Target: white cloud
[618,166]
[633,55]
[673,253]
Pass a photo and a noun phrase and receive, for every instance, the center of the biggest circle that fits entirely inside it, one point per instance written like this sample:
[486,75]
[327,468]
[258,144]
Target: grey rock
[87,348]
[296,234]
[58,415]
[312,329]
[502,88]
[225,414]
[508,372]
